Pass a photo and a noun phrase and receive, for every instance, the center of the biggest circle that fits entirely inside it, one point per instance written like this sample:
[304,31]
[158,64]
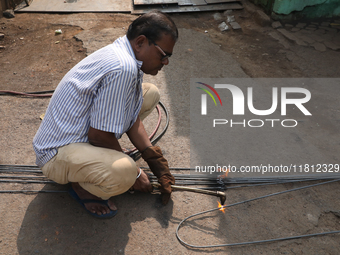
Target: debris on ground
[9,13]
[223,26]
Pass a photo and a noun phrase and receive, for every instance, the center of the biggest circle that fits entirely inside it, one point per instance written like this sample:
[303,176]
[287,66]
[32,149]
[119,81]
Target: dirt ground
[34,58]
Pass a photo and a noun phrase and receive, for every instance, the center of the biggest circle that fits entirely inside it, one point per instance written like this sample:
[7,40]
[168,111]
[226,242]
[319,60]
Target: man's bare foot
[97,208]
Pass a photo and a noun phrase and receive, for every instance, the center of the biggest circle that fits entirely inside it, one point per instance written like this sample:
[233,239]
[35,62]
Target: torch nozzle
[219,194]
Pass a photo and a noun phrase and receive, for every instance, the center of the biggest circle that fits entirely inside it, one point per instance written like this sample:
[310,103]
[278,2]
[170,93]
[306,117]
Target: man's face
[155,54]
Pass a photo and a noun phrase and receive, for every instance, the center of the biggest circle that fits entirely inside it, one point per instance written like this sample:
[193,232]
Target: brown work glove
[160,168]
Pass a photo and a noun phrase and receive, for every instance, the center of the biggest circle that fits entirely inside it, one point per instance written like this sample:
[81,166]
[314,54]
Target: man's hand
[142,183]
[166,181]
[159,166]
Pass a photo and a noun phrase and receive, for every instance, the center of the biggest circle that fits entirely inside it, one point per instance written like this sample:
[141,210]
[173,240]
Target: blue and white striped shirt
[103,91]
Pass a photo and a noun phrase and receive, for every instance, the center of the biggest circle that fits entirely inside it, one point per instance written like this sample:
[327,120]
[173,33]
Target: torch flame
[225,175]
[221,207]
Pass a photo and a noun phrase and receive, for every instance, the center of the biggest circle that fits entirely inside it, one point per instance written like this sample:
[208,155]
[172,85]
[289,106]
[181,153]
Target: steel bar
[15,171]
[27,181]
[19,166]
[22,177]
[217,183]
[24,168]
[33,191]
[209,182]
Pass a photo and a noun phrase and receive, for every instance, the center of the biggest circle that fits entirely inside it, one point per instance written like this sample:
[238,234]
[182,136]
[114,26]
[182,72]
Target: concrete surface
[55,224]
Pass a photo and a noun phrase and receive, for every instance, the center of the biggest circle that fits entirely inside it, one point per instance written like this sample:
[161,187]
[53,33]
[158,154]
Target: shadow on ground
[57,224]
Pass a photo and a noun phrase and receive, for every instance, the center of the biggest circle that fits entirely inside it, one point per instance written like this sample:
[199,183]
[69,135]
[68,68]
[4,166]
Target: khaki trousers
[102,172]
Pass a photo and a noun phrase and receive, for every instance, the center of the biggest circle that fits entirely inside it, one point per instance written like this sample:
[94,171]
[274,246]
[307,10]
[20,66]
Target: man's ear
[140,41]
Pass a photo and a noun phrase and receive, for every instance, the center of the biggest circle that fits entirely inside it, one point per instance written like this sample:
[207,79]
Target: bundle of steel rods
[32,174]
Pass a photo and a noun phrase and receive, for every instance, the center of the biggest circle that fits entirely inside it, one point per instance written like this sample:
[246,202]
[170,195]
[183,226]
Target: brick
[235,25]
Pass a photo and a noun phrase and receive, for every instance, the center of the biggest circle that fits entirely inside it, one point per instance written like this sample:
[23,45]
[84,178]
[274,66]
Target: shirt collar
[130,51]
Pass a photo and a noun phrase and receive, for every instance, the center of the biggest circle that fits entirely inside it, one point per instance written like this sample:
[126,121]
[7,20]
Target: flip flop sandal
[74,195]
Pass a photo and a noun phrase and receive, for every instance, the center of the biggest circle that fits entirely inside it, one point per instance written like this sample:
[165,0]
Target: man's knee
[114,178]
[123,172]
[150,91]
[151,97]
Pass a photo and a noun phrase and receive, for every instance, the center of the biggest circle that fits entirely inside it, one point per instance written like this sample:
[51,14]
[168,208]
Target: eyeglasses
[165,55]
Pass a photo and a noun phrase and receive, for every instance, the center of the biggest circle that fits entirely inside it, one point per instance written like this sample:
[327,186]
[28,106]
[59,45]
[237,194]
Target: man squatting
[99,100]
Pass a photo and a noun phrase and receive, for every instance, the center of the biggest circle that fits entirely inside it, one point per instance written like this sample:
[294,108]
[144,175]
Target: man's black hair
[153,25]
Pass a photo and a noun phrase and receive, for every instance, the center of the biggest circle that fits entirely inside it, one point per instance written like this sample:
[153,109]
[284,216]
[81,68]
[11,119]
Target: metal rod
[33,191]
[19,171]
[27,181]
[219,194]
[22,177]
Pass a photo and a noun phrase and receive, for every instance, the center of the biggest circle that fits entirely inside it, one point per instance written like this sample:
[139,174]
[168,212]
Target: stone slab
[198,2]
[151,2]
[305,38]
[292,37]
[319,46]
[68,6]
[275,35]
[276,24]
[221,1]
[235,25]
[301,25]
[332,45]
[197,8]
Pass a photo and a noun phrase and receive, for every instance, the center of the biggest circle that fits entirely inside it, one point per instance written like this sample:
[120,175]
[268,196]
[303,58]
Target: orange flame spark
[221,207]
[225,175]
